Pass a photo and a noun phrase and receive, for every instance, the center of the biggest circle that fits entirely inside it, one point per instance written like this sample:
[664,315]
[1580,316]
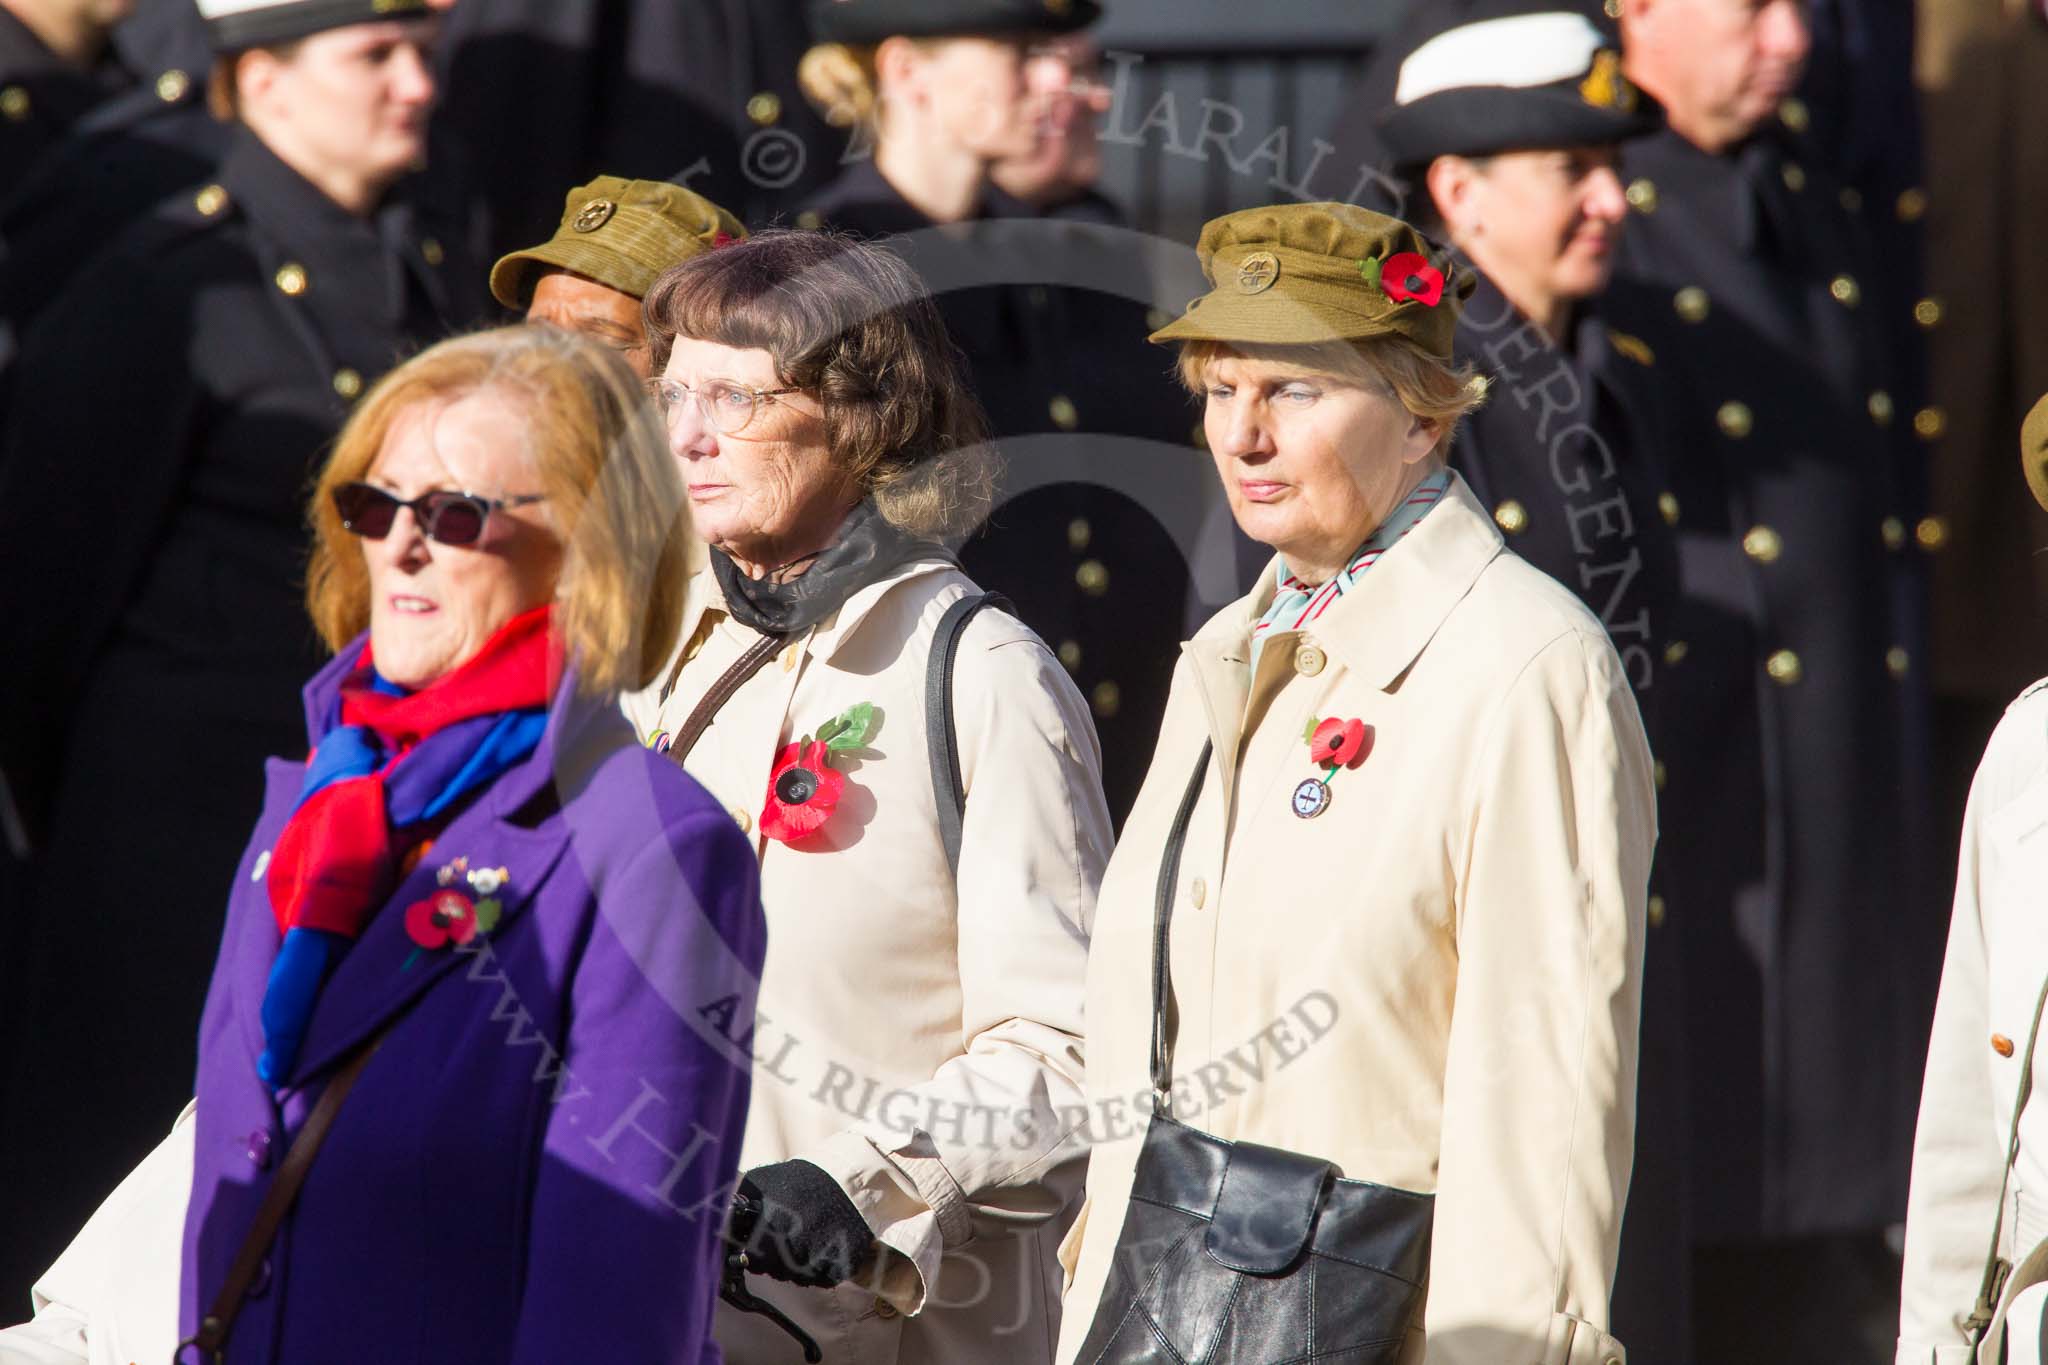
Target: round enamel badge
[1311,798]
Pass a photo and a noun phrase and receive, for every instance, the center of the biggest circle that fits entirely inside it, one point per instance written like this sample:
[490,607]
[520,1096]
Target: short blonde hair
[602,462]
[841,83]
[1428,387]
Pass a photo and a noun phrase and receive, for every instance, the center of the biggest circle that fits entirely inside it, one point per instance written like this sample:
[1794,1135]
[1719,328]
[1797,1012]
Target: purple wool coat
[534,1167]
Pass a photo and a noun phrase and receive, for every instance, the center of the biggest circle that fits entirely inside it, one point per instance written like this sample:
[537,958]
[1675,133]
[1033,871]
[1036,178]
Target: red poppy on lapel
[803,789]
[1340,743]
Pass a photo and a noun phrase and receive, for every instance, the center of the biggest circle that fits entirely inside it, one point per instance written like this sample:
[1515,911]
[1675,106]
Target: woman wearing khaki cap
[1390,865]
[616,236]
[1980,1156]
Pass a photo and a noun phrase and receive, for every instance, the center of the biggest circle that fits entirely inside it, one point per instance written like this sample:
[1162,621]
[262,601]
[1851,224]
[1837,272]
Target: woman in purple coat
[528,942]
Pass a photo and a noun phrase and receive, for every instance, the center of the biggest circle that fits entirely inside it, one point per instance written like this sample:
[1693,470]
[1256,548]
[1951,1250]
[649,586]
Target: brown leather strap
[729,682]
[212,1336]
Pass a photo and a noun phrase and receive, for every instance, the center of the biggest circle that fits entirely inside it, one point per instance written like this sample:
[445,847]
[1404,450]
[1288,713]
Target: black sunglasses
[447,517]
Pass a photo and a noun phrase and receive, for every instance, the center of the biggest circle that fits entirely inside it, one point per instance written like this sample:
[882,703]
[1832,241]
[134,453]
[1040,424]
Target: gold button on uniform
[291,278]
[172,86]
[1656,912]
[1793,113]
[1310,660]
[1079,533]
[1852,199]
[1064,414]
[1932,533]
[1642,196]
[1093,577]
[431,252]
[1659,774]
[1894,532]
[1512,517]
[1691,303]
[14,103]
[2001,1045]
[765,108]
[210,200]
[1794,175]
[1880,406]
[1734,419]
[1912,205]
[1635,348]
[1927,312]
[1667,508]
[1070,654]
[1763,544]
[810,220]
[742,818]
[347,382]
[1107,699]
[1930,423]
[1784,668]
[1897,661]
[1675,652]
[1198,892]
[1845,290]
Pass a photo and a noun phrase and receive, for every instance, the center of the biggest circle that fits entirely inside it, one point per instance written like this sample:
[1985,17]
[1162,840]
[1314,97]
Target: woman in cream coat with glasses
[1406,923]
[919,1053]
[1993,983]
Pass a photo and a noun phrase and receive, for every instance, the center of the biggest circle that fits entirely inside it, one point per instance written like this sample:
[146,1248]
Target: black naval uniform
[1568,452]
[167,420]
[1069,383]
[43,94]
[1795,831]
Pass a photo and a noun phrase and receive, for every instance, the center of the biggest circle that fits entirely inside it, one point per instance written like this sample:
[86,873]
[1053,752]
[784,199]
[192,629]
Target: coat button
[2001,1045]
[1734,419]
[1064,414]
[347,382]
[1927,312]
[1310,660]
[291,278]
[1656,912]
[1784,668]
[1912,205]
[1667,508]
[1932,533]
[1852,199]
[1845,290]
[1763,544]
[742,817]
[1106,700]
[765,108]
[1070,655]
[1198,892]
[259,1149]
[1691,303]
[1675,652]
[210,200]
[1511,517]
[1079,533]
[14,104]
[1093,577]
[1793,113]
[1880,406]
[172,86]
[431,251]
[1659,774]
[262,866]
[1794,176]
[1897,661]
[1642,196]
[1894,532]
[1930,423]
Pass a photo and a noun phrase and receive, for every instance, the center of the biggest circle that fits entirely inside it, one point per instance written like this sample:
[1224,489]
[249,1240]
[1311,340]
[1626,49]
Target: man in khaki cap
[615,238]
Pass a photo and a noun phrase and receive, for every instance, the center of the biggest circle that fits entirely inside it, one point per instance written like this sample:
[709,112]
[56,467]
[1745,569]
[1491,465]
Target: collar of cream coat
[1375,631]
[824,638]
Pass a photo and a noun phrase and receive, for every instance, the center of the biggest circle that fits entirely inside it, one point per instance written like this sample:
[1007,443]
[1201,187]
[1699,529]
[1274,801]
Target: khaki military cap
[2034,450]
[621,233]
[1300,274]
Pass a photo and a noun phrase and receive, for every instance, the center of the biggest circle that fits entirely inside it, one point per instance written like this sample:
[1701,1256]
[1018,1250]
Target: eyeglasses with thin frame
[726,407]
[447,517]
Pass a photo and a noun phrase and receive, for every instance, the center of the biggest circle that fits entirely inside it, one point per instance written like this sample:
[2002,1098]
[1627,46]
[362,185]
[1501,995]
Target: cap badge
[1257,272]
[594,215]
[1605,87]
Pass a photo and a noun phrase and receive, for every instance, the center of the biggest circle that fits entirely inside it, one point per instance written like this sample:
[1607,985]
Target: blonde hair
[841,83]
[602,463]
[1429,388]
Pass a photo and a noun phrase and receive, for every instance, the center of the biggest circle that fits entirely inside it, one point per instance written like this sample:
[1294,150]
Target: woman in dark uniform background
[1051,314]
[166,416]
[1505,124]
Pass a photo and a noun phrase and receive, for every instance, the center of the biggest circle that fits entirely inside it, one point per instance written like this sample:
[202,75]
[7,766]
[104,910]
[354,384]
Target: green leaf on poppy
[1369,269]
[487,912]
[828,729]
[1308,732]
[849,730]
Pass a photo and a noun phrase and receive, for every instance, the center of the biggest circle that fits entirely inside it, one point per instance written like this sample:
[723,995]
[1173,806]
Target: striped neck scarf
[1297,603]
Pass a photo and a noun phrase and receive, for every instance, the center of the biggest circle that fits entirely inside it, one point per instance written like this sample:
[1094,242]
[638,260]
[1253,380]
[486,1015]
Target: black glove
[795,1224]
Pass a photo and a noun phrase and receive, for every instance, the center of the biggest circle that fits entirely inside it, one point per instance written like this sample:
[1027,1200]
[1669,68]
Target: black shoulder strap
[940,732]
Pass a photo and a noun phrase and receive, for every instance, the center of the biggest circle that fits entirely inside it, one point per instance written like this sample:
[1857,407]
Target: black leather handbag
[1237,1254]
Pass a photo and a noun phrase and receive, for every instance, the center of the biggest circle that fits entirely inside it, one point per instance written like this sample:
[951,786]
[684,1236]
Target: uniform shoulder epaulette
[1635,348]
